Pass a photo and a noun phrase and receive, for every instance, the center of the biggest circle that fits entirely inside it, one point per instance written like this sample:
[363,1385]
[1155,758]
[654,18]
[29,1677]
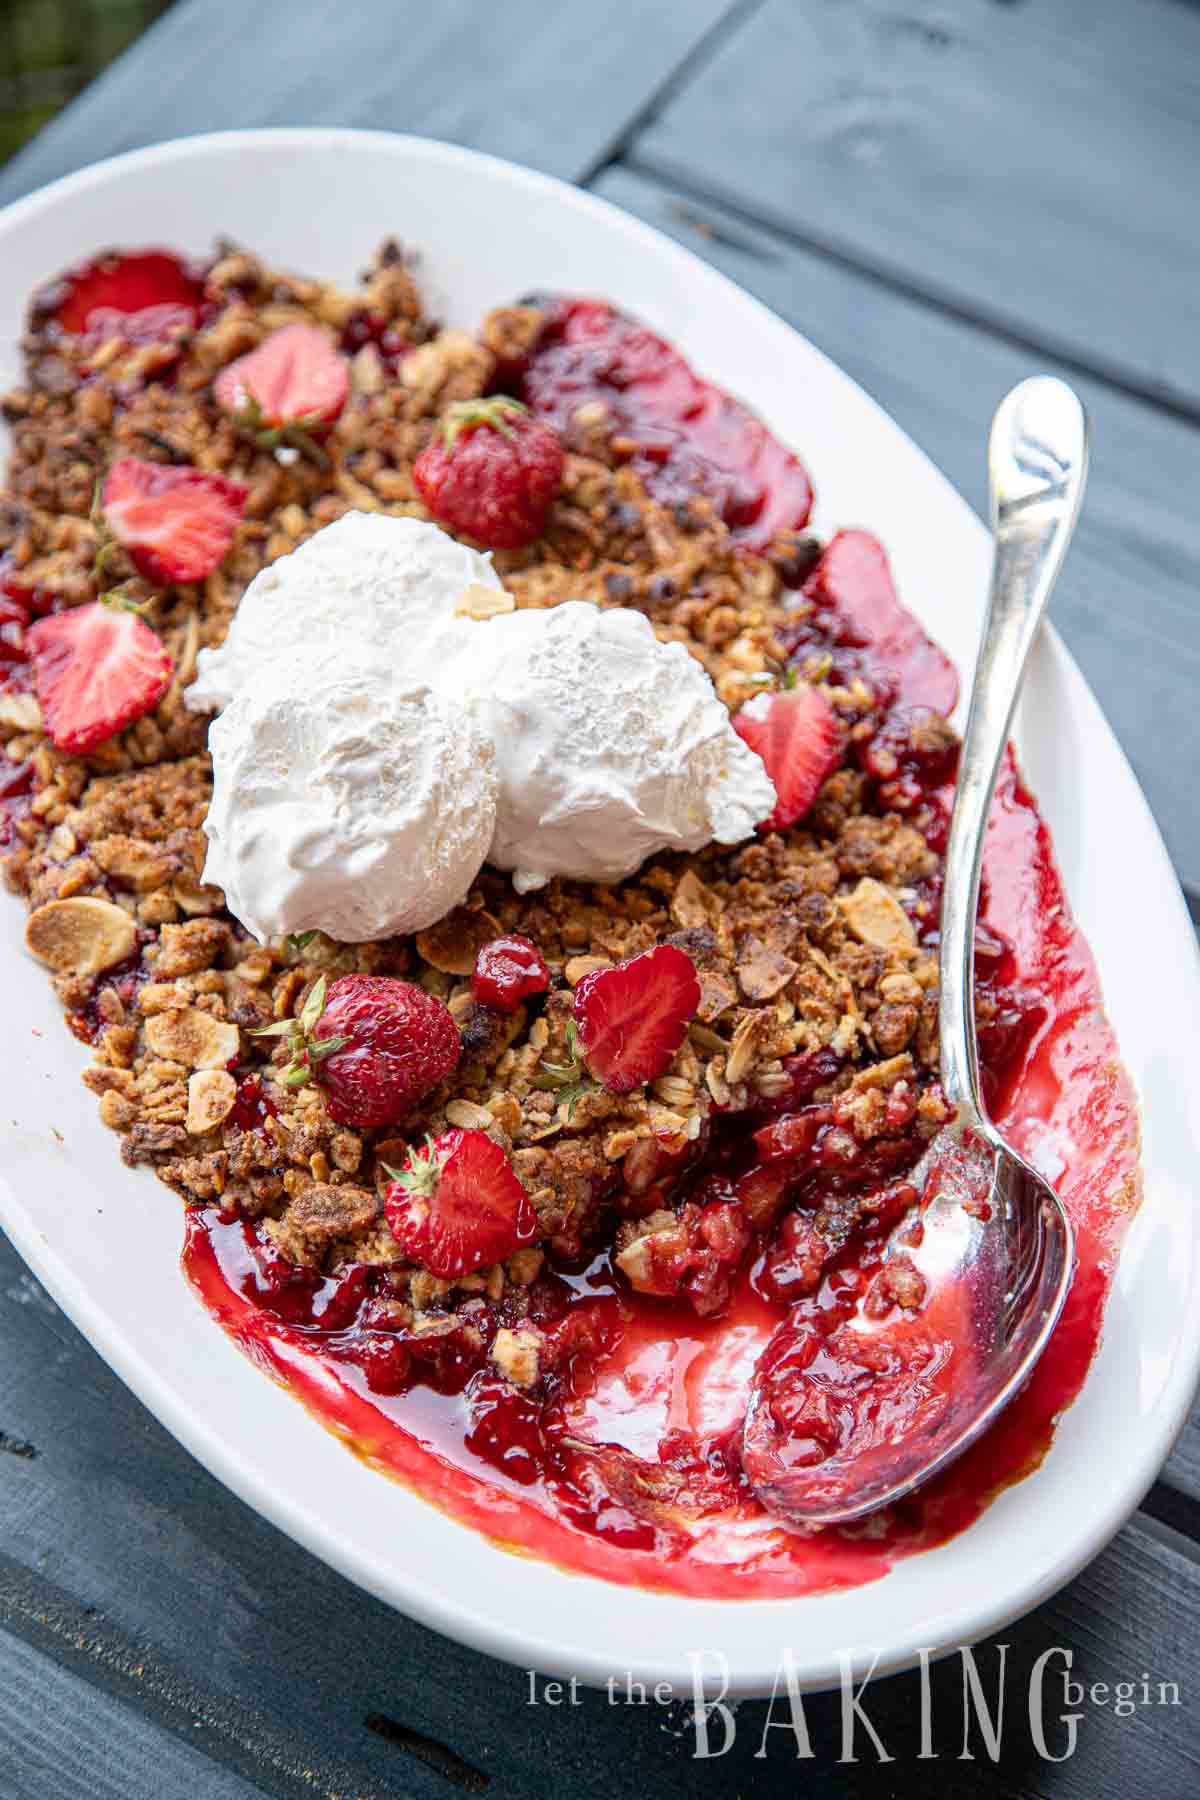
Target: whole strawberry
[459,1205]
[374,1044]
[490,472]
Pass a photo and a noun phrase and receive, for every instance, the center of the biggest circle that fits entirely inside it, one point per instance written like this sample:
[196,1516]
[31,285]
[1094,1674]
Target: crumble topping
[813,975]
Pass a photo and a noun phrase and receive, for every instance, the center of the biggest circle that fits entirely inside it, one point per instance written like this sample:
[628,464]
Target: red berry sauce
[252,1105]
[624,1462]
[391,345]
[20,605]
[683,434]
[16,798]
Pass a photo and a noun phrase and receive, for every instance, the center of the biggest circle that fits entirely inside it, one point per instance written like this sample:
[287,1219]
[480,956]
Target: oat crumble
[806,943]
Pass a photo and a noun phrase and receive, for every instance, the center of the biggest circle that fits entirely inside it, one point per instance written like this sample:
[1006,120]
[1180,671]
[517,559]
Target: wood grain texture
[1127,599]
[551,86]
[1031,165]
[131,1569]
[62,1739]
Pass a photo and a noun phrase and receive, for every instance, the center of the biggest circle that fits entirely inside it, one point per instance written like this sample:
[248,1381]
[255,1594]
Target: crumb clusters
[804,942]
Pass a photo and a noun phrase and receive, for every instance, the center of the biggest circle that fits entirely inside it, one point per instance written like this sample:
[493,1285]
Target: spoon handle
[1037,468]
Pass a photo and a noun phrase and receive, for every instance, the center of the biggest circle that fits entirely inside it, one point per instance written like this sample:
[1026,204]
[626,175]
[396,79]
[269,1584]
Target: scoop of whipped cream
[347,799]
[368,585]
[610,745]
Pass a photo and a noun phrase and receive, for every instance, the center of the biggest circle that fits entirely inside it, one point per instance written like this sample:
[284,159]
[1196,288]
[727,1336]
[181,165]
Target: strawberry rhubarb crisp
[528,1094]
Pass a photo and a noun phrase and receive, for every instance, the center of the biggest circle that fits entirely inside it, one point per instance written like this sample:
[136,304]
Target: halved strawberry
[141,295]
[294,378]
[632,1018]
[797,734]
[458,1205]
[96,669]
[177,524]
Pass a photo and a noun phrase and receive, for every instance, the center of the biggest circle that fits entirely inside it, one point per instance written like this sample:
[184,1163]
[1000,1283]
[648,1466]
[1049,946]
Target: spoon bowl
[839,1427]
[843,1423]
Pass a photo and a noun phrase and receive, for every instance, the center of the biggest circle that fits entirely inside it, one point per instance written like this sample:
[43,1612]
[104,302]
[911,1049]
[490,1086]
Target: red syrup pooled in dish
[630,1469]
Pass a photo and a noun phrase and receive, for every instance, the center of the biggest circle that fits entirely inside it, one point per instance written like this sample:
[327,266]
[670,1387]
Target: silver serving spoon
[995,1247]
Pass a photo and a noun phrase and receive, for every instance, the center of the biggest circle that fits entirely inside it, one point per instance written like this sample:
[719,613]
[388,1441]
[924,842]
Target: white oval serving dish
[105,1239]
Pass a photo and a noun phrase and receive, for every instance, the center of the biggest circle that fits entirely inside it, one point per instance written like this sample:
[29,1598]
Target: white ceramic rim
[1036,1536]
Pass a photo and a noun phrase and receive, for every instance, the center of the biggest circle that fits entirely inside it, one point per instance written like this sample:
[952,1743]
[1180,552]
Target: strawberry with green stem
[490,472]
[569,1080]
[383,1045]
[288,392]
[458,1205]
[630,1022]
[307,1052]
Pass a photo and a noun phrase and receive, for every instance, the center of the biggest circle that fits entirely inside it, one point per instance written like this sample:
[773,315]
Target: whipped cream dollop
[347,799]
[368,585]
[381,736]
[610,745]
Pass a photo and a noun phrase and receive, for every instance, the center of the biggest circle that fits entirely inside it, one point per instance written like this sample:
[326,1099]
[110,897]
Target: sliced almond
[82,935]
[479,602]
[134,864]
[743,1052]
[717,995]
[452,945]
[62,843]
[211,1094]
[762,971]
[467,1116]
[20,712]
[693,904]
[192,897]
[579,966]
[192,1037]
[876,917]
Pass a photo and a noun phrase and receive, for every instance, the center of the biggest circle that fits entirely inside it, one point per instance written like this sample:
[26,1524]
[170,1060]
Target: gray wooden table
[944,198]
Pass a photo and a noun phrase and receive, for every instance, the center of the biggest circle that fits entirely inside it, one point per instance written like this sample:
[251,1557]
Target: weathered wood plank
[551,86]
[1127,600]
[138,1574]
[62,1739]
[1030,165]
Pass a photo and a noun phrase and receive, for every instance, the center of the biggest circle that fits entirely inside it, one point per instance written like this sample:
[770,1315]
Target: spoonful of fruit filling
[851,1409]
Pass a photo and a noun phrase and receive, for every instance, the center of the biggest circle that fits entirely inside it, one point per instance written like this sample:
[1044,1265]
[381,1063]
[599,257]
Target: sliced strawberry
[631,1019]
[798,737]
[459,1205]
[852,584]
[177,524]
[96,669]
[295,377]
[141,295]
